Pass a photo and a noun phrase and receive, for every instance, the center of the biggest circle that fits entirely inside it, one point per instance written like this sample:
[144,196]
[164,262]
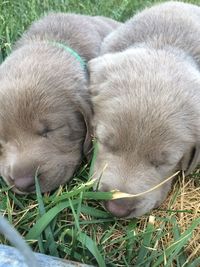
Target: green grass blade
[94,212]
[42,223]
[98,195]
[195,263]
[91,246]
[181,258]
[76,216]
[175,248]
[51,244]
[146,244]
[66,195]
[132,226]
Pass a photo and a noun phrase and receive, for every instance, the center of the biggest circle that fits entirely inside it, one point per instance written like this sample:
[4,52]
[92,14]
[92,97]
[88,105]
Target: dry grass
[119,241]
[185,207]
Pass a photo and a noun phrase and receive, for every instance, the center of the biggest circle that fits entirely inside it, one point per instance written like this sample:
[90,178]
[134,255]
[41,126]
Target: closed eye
[159,160]
[46,130]
[157,163]
[108,144]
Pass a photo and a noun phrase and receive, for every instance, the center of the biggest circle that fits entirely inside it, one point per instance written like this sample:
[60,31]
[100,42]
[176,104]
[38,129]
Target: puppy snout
[23,175]
[25,184]
[120,207]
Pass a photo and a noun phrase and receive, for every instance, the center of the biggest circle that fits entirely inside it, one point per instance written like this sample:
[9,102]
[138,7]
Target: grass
[71,222]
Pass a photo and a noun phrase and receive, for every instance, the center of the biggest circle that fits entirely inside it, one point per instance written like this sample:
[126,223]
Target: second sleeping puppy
[146,96]
[45,109]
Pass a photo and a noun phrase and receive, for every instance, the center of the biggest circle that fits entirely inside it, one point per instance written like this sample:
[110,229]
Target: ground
[71,222]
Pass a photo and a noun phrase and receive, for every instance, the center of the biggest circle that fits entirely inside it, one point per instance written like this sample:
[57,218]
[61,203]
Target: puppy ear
[191,160]
[85,108]
[87,145]
[97,71]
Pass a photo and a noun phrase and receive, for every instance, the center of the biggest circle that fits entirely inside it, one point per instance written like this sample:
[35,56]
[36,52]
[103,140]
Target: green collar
[71,51]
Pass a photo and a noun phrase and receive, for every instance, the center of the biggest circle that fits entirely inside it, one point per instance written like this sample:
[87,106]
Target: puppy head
[44,117]
[146,124]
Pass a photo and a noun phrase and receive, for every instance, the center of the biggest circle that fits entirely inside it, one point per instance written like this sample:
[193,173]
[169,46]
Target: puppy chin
[147,207]
[8,182]
[17,191]
[140,211]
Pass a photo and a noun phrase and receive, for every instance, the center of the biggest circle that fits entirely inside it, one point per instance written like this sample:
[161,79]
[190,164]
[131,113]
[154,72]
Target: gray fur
[45,109]
[146,95]
[82,33]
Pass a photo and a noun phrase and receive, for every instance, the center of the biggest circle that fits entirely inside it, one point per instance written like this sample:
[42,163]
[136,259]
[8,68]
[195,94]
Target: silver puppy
[146,95]
[45,108]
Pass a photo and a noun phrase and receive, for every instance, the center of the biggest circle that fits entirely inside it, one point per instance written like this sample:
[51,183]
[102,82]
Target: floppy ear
[85,108]
[96,71]
[99,69]
[191,160]
[87,145]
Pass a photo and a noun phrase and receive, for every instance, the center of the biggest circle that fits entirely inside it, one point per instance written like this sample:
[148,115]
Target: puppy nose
[120,207]
[25,184]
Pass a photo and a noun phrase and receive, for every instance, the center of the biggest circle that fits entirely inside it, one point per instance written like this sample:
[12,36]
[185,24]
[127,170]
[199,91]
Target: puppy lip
[132,214]
[8,180]
[16,190]
[157,204]
[27,191]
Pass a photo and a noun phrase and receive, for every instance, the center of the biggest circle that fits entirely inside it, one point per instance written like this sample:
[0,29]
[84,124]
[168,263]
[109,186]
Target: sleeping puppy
[146,95]
[45,108]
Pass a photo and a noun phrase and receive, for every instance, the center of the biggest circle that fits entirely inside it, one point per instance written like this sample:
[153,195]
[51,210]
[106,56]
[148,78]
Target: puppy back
[169,24]
[82,33]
